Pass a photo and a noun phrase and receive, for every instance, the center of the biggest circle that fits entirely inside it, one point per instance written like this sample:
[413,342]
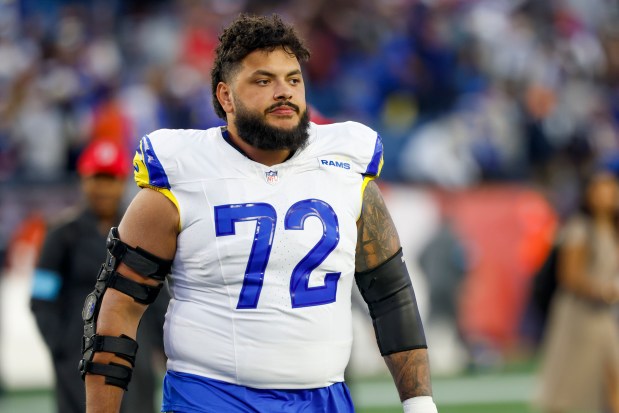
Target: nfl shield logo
[271,177]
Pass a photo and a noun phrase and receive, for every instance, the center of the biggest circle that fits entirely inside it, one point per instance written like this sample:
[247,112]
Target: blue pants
[188,393]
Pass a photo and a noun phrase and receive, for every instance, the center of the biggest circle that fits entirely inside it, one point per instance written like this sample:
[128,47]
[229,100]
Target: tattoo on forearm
[411,373]
[377,241]
[377,238]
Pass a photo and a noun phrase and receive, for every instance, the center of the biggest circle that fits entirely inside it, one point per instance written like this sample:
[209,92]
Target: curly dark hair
[244,35]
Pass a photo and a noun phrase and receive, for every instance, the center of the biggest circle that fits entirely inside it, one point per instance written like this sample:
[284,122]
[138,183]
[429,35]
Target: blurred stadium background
[491,112]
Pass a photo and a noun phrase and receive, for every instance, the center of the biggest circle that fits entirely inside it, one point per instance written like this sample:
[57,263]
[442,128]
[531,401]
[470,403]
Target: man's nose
[283,91]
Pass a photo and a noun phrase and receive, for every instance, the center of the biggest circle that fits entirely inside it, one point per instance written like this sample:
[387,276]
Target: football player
[259,229]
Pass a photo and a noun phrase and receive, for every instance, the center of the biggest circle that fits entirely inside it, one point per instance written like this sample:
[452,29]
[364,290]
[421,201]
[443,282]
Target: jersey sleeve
[366,148]
[375,165]
[153,164]
[359,147]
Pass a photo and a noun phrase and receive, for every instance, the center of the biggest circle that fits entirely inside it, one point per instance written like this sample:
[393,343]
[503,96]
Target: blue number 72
[301,295]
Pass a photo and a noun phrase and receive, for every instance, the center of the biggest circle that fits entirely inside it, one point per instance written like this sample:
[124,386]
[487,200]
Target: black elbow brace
[388,291]
[124,347]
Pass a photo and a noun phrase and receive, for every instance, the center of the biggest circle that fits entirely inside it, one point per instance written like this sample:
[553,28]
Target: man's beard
[255,130]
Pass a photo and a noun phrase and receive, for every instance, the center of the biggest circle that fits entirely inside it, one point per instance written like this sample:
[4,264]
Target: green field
[480,393]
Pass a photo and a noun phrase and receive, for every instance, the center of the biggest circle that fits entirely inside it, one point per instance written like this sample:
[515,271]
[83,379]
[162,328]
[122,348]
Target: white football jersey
[262,277]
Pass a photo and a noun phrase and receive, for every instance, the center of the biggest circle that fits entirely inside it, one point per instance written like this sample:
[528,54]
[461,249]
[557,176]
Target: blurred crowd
[490,90]
[504,91]
[493,90]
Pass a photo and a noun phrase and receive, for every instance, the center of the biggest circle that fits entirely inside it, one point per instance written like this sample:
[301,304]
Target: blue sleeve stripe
[156,173]
[46,284]
[374,166]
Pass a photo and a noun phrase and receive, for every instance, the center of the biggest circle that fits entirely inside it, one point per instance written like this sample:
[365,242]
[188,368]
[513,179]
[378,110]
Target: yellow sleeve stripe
[380,166]
[140,171]
[147,166]
[143,180]
[366,181]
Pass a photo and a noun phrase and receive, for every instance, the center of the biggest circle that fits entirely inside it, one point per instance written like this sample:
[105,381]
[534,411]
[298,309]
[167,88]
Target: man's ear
[224,96]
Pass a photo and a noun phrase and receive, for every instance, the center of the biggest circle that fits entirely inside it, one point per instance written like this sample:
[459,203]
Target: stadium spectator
[580,367]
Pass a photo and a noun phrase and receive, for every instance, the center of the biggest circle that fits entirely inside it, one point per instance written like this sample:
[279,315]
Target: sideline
[475,389]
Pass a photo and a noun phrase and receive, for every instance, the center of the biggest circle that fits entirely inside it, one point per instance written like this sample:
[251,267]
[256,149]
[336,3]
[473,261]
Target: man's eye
[295,81]
[262,82]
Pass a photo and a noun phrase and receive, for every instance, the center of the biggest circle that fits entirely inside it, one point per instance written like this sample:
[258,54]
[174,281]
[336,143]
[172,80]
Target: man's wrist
[419,404]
